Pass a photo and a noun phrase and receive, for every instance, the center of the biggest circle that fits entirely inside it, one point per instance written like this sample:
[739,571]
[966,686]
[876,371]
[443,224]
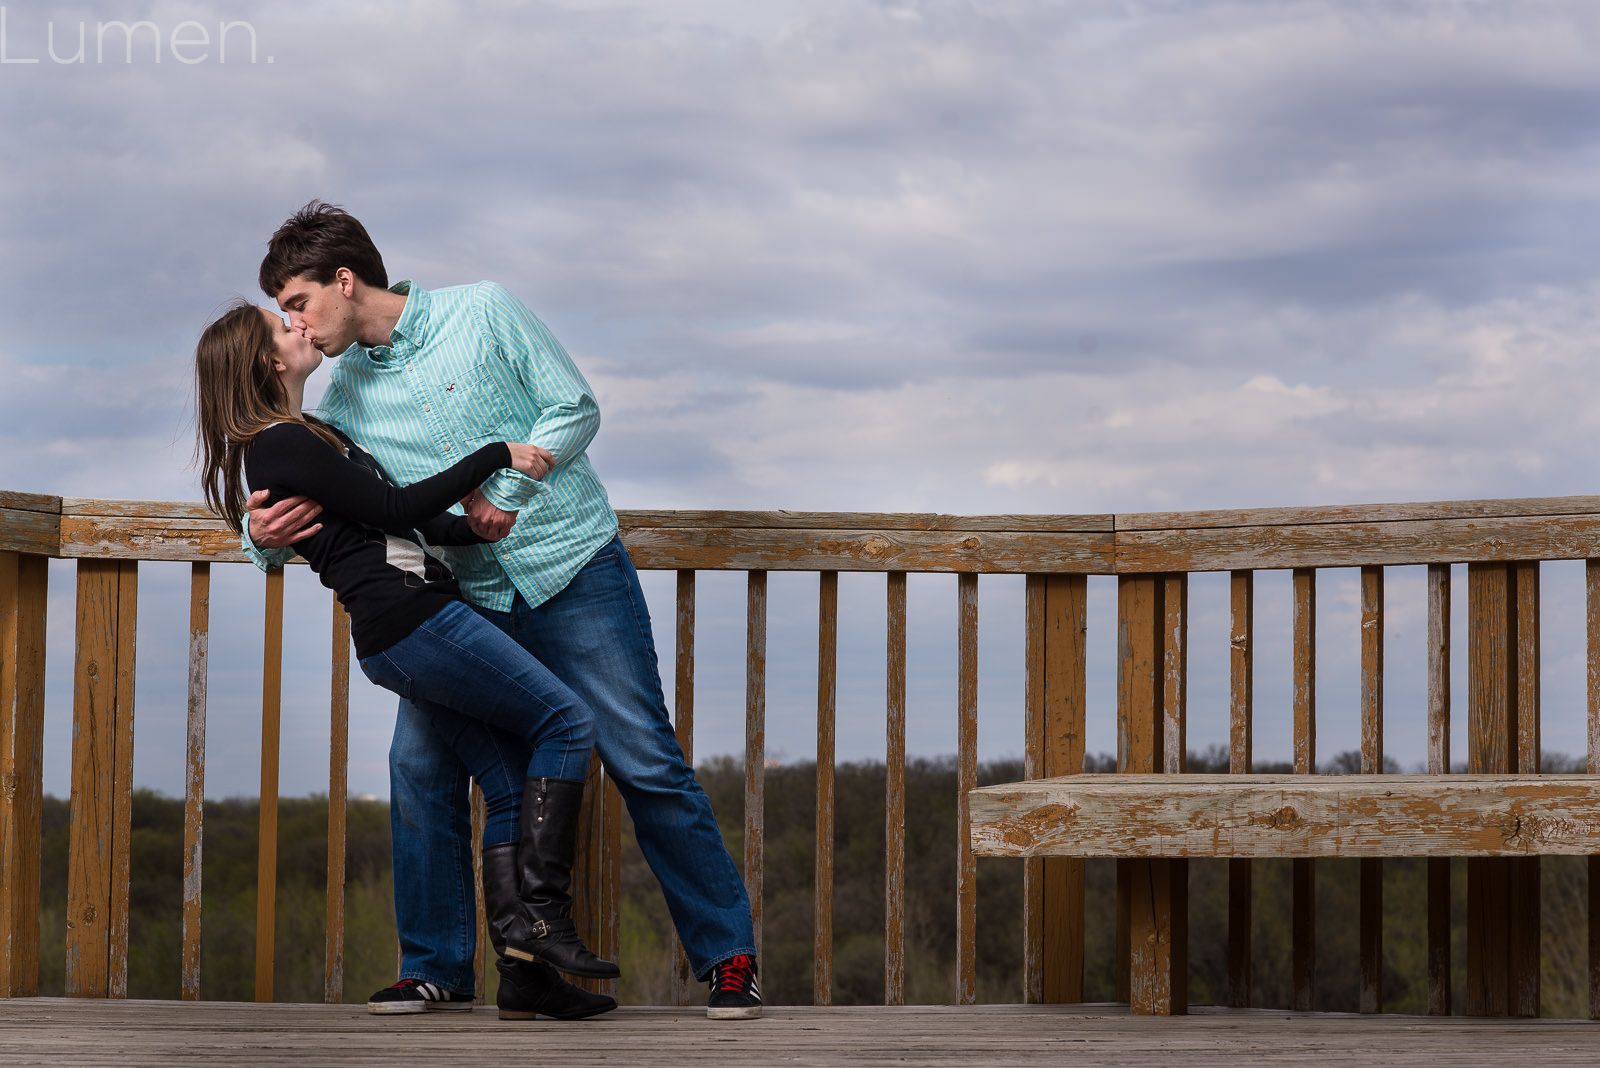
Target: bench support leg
[1158,930]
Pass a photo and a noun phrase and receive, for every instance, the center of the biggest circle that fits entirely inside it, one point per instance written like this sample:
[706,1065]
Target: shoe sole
[409,1008]
[740,1012]
[525,1014]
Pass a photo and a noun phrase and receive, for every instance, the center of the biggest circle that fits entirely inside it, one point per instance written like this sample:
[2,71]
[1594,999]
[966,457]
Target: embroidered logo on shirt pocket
[475,405]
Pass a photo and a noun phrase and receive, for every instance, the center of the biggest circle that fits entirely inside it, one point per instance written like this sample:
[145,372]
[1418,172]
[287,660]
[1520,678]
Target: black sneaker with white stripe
[735,994]
[414,995]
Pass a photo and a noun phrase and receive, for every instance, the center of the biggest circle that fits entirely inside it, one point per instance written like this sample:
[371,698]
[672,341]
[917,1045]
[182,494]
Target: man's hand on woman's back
[282,524]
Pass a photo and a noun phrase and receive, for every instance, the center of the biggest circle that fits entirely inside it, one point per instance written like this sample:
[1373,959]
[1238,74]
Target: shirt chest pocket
[475,405]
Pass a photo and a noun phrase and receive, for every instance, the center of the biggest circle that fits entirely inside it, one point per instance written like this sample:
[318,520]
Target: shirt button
[426,408]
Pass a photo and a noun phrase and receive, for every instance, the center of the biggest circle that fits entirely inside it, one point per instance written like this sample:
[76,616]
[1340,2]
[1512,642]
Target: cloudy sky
[958,257]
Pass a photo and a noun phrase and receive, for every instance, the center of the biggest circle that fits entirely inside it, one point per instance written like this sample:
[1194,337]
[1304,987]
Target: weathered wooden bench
[1176,816]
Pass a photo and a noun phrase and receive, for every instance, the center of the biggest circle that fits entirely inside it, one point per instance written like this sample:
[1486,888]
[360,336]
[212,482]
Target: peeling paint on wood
[194,781]
[1241,730]
[1307,816]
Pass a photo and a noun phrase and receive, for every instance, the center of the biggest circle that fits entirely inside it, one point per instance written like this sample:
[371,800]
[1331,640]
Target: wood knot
[1285,818]
[875,547]
[972,543]
[92,669]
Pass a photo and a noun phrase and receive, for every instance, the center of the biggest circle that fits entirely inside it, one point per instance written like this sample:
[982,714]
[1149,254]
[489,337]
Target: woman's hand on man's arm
[531,460]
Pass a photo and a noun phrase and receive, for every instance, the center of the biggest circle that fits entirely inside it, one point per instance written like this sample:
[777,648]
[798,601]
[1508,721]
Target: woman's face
[297,357]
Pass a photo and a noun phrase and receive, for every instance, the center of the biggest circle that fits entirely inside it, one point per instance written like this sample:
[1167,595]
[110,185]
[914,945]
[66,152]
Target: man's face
[321,311]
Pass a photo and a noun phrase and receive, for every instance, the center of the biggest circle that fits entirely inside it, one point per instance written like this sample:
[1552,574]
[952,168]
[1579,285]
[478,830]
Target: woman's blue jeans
[466,674]
[595,636]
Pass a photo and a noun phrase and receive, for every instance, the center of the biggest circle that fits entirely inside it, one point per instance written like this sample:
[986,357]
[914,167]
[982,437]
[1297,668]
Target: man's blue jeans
[594,636]
[468,673]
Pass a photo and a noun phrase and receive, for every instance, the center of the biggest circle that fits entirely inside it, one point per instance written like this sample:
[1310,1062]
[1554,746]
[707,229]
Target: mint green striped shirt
[466,366]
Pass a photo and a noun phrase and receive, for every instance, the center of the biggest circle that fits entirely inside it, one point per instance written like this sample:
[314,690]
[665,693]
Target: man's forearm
[265,559]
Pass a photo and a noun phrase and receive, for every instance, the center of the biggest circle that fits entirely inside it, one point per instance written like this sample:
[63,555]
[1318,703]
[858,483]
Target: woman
[412,631]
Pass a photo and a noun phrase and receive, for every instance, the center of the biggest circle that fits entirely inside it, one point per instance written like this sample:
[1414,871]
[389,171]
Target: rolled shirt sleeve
[569,416]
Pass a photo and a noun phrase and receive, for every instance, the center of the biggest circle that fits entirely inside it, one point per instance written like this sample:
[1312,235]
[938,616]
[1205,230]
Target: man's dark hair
[316,241]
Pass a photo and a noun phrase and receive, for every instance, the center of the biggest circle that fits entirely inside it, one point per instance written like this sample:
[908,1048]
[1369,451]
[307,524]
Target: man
[425,378]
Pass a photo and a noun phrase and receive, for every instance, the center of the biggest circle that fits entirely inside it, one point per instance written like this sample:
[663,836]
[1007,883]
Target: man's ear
[345,278]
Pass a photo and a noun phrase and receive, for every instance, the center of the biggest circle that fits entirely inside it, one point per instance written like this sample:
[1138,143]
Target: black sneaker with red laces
[735,994]
[414,995]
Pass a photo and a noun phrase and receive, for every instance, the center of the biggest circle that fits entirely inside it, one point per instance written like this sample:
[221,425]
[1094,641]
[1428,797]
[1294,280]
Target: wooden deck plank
[136,1034]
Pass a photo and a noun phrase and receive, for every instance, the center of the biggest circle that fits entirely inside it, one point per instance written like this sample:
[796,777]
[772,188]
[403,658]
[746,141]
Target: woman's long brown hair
[238,395]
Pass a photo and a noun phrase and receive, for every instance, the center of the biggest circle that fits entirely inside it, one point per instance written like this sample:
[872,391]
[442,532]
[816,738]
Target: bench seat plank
[1289,816]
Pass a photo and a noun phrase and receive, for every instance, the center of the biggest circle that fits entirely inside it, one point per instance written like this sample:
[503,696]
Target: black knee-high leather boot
[528,988]
[544,879]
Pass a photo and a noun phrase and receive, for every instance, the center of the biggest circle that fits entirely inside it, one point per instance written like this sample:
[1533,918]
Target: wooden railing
[1151,556]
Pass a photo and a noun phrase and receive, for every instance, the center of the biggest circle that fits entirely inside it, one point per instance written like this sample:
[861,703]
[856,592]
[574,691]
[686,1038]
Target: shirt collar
[407,335]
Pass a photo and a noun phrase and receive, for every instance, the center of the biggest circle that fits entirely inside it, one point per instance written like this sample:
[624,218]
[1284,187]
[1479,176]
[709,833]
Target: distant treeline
[229,901]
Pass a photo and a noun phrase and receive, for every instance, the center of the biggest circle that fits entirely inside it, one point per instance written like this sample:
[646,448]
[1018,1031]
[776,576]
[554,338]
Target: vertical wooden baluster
[1303,965]
[480,912]
[966,780]
[1175,761]
[611,882]
[827,690]
[589,871]
[1033,763]
[1156,890]
[1175,674]
[267,843]
[1591,583]
[755,746]
[1438,764]
[1503,736]
[683,981]
[338,802]
[93,727]
[1491,749]
[1053,887]
[1525,922]
[894,832]
[1371,902]
[1241,716]
[24,587]
[194,787]
[122,813]
[102,787]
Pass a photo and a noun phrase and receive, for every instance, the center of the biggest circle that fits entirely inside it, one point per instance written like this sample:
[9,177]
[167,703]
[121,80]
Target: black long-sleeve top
[371,550]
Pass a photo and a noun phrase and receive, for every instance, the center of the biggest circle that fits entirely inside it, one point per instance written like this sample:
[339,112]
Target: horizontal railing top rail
[1535,528]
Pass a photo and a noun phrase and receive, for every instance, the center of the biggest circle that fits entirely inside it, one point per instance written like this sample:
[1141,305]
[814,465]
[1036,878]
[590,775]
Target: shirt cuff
[510,491]
[265,559]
